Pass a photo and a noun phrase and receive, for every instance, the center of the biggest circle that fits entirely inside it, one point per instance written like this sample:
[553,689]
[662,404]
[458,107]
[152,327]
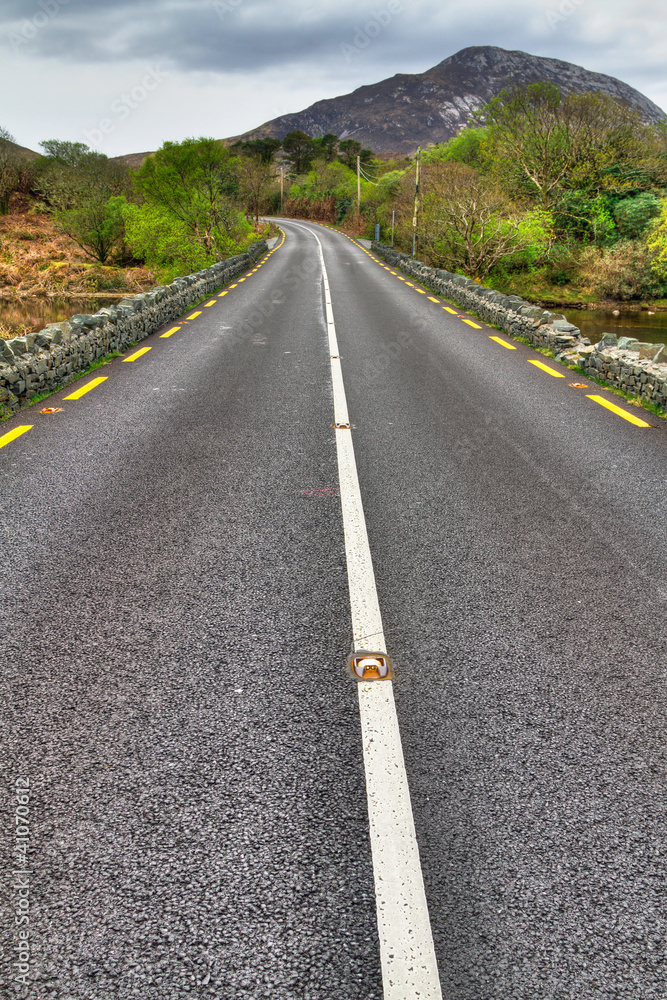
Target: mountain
[134,160]
[409,110]
[28,154]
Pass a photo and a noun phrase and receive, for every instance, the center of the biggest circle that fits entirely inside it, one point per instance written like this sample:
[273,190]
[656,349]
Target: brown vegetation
[35,259]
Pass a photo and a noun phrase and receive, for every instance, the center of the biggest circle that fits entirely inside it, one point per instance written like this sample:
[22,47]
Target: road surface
[178,713]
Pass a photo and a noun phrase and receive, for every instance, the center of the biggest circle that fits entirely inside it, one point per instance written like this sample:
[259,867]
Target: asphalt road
[175,622]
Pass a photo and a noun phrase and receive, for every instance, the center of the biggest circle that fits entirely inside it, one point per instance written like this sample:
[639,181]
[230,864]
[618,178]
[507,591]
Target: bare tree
[543,141]
[467,223]
[11,163]
[255,177]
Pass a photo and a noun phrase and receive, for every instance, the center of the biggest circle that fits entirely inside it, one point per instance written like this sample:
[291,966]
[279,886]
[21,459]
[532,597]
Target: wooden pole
[358,186]
[415,219]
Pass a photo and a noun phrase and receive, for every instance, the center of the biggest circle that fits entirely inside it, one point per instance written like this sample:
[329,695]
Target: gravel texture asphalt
[175,622]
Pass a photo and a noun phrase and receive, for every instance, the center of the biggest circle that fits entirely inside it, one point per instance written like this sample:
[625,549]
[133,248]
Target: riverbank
[39,264]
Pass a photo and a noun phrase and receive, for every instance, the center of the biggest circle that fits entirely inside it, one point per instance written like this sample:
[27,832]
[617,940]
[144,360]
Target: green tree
[196,182]
[350,149]
[96,225]
[299,151]
[326,147]
[163,242]
[260,149]
[469,147]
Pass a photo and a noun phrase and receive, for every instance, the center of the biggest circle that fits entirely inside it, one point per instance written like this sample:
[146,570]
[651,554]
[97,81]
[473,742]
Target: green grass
[630,398]
[104,360]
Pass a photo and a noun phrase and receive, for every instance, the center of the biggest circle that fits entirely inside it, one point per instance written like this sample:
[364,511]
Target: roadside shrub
[562,266]
[622,272]
[656,241]
[162,242]
[634,215]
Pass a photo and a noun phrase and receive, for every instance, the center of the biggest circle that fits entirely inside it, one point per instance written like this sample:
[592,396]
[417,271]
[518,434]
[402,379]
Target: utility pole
[415,218]
[282,187]
[358,186]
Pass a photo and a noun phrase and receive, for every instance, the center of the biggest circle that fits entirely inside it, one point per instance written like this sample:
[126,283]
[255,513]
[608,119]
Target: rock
[624,342]
[649,352]
[563,326]
[88,321]
[6,353]
[608,340]
[22,345]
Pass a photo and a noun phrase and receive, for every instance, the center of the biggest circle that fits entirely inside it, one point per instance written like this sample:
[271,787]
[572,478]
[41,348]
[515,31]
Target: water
[594,322]
[30,315]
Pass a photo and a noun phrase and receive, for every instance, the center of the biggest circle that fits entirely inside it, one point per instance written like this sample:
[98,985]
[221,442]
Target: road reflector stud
[52,409]
[368,666]
[343,427]
[578,385]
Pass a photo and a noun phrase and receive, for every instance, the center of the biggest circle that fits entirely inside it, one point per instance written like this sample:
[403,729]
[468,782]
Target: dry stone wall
[38,362]
[624,362]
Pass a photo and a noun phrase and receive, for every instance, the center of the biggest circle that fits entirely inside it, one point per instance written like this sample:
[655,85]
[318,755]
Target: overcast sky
[124,75]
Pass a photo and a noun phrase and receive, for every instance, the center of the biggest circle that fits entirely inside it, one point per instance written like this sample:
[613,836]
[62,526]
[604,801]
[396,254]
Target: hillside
[408,110]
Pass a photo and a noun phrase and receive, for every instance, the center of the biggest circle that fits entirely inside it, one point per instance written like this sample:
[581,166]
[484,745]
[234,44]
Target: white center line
[407,953]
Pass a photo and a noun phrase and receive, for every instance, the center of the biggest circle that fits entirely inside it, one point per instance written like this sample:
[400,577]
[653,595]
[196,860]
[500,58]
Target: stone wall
[637,368]
[38,362]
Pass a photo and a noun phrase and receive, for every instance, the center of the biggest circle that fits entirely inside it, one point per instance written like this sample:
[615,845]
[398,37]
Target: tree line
[192,203]
[541,190]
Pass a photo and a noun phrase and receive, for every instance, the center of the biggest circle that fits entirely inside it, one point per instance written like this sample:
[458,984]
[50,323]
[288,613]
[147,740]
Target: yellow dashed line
[475,326]
[86,388]
[194,315]
[138,354]
[232,286]
[174,329]
[545,368]
[452,311]
[208,305]
[421,291]
[510,347]
[12,435]
[222,294]
[431,299]
[630,417]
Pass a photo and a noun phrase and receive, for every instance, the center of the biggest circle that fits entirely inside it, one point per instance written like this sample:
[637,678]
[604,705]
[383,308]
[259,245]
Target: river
[651,329]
